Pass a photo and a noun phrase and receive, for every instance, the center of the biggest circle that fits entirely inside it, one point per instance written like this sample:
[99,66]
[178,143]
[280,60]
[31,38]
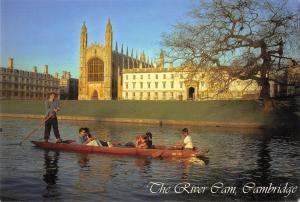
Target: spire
[142,57]
[132,53]
[122,50]
[108,25]
[116,49]
[83,37]
[108,36]
[127,52]
[161,59]
[136,56]
[83,27]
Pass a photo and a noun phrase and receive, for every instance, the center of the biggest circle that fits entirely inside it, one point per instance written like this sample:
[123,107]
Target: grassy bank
[222,111]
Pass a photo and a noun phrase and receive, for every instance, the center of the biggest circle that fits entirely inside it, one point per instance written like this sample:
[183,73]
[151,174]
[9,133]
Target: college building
[68,87]
[20,84]
[107,74]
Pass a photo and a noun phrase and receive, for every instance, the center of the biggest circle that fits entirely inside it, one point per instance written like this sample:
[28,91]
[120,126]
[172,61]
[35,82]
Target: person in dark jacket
[52,107]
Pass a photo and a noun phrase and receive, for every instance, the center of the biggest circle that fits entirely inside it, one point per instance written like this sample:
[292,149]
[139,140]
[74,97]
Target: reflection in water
[144,164]
[83,161]
[50,177]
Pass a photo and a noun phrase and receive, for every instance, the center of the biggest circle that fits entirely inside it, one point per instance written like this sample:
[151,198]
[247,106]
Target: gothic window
[95,70]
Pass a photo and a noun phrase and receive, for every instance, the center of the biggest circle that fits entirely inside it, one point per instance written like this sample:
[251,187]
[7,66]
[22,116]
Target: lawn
[225,111]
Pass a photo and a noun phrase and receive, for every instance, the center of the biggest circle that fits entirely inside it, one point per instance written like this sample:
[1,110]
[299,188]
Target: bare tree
[246,38]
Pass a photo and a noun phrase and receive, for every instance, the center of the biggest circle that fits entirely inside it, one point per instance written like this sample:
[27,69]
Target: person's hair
[87,130]
[149,134]
[185,130]
[52,93]
[81,129]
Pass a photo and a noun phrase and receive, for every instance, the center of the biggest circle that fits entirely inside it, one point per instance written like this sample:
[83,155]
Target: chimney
[45,69]
[34,69]
[10,63]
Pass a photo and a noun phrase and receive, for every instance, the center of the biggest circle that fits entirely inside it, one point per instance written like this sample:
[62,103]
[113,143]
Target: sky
[39,32]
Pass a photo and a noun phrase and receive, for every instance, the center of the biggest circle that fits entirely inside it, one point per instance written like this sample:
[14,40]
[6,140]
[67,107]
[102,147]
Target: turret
[10,63]
[116,49]
[132,59]
[83,37]
[142,58]
[82,77]
[45,69]
[34,69]
[161,59]
[108,71]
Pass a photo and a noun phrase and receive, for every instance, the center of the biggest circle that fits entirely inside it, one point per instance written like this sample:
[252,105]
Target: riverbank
[205,113]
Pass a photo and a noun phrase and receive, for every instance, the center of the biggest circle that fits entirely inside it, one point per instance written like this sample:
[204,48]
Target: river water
[237,158]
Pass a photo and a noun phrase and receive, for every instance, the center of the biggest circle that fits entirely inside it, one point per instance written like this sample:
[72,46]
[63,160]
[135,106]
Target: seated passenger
[149,140]
[83,136]
[187,141]
[144,141]
[140,142]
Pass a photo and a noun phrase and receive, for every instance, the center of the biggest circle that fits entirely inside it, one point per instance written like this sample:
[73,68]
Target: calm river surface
[236,157]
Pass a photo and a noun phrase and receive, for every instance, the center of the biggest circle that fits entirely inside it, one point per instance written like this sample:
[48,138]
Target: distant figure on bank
[52,107]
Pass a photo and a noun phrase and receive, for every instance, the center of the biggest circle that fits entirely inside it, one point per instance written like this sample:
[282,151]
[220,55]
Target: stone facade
[176,84]
[19,84]
[68,87]
[101,67]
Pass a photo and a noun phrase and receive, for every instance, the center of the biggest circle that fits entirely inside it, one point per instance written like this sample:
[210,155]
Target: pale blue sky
[38,32]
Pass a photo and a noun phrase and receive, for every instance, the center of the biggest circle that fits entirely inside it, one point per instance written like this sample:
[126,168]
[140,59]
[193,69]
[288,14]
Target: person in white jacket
[187,141]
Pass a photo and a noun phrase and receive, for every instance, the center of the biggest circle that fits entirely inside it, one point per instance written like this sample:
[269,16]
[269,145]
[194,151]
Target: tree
[246,38]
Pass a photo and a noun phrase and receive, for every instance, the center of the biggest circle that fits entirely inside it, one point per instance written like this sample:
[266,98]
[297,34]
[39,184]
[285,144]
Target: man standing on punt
[52,107]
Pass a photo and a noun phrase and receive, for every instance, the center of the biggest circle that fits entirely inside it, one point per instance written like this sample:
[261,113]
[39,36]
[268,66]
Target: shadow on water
[51,171]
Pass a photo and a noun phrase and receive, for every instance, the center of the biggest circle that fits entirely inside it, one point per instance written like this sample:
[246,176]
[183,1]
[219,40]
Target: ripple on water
[236,157]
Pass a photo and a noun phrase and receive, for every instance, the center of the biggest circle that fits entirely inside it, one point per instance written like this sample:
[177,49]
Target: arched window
[95,70]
